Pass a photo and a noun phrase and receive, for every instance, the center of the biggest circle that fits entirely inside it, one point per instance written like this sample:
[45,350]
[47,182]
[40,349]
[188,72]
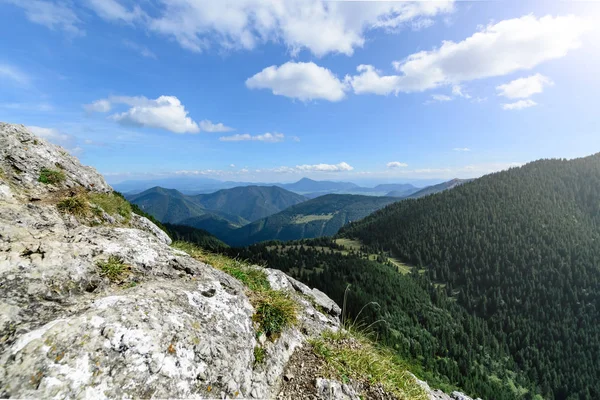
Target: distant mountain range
[249,214]
[216,212]
[305,186]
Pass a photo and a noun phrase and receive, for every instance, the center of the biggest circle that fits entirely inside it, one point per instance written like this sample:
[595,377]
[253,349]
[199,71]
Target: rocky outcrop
[171,327]
[436,394]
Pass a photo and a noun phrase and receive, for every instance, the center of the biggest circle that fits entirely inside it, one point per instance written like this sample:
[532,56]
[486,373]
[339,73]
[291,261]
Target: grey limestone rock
[171,327]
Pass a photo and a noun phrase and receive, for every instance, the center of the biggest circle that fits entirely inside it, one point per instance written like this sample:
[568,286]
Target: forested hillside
[446,345]
[166,205]
[322,216]
[520,249]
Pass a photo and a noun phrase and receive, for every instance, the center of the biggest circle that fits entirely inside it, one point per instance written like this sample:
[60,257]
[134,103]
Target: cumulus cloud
[524,87]
[396,164]
[496,50]
[165,112]
[463,149]
[53,15]
[267,138]
[370,80]
[208,126]
[519,105]
[320,26]
[299,80]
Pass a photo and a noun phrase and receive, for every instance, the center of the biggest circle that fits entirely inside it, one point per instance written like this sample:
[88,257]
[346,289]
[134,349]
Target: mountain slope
[435,188]
[197,236]
[322,216]
[167,205]
[217,212]
[520,248]
[249,202]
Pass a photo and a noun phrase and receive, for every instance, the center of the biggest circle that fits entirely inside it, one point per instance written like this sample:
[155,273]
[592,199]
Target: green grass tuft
[112,204]
[76,205]
[275,311]
[354,356]
[259,355]
[252,277]
[51,176]
[113,268]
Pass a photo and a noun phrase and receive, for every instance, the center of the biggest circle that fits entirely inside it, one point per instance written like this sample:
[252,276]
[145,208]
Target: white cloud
[370,80]
[441,97]
[14,74]
[519,105]
[458,91]
[267,137]
[165,112]
[320,26]
[324,171]
[208,126]
[396,164]
[524,87]
[142,50]
[303,81]
[53,15]
[232,165]
[295,138]
[341,167]
[112,10]
[102,106]
[463,149]
[497,50]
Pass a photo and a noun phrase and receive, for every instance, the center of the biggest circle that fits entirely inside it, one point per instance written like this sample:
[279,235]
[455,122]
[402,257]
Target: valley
[249,214]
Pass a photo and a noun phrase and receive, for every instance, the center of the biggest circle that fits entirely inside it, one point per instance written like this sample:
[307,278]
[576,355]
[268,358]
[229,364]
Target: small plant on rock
[113,268]
[254,278]
[76,205]
[51,176]
[259,355]
[275,311]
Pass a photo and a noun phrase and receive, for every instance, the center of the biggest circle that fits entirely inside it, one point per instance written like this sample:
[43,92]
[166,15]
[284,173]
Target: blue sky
[264,90]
